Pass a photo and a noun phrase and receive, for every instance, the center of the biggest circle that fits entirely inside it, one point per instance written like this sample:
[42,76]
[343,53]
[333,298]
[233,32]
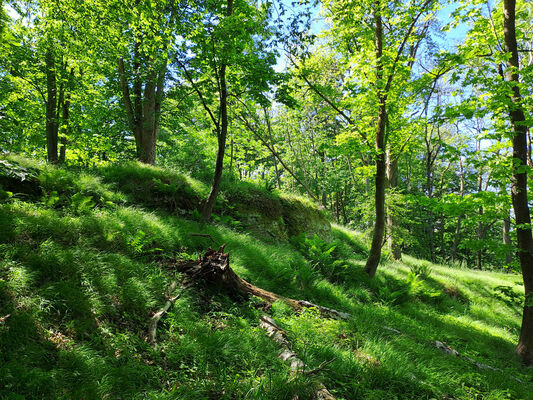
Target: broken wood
[297,366]
[214,266]
[152,329]
[451,351]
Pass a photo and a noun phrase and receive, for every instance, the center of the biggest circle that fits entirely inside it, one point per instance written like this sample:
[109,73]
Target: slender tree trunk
[231,157]
[480,230]
[133,109]
[456,238]
[519,183]
[269,129]
[51,111]
[408,176]
[429,189]
[392,183]
[344,199]
[147,145]
[379,224]
[337,207]
[222,133]
[221,137]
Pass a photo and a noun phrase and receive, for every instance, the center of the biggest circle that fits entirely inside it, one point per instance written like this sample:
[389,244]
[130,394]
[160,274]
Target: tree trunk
[51,111]
[222,133]
[221,136]
[429,189]
[456,238]
[480,230]
[133,110]
[344,199]
[392,183]
[379,224]
[519,183]
[143,113]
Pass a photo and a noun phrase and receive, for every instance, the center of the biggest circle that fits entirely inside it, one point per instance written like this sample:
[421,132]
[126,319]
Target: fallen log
[297,366]
[214,266]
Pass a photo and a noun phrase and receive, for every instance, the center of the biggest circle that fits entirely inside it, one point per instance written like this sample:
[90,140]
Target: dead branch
[152,329]
[320,368]
[287,355]
[451,351]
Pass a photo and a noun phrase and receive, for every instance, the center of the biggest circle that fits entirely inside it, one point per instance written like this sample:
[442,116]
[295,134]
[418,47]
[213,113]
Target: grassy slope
[79,283]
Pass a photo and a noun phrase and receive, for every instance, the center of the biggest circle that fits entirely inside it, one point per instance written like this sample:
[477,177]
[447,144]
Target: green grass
[80,279]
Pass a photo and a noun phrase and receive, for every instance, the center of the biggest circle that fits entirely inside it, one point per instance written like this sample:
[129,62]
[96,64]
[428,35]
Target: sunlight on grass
[79,287]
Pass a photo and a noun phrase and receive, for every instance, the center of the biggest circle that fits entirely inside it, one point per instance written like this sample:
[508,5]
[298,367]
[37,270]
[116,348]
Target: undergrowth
[85,260]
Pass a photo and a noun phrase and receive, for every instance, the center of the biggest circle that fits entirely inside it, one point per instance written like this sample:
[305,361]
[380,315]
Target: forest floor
[84,264]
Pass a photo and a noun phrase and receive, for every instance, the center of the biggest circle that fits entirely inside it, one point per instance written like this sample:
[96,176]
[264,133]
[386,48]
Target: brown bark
[379,224]
[143,113]
[519,182]
[51,104]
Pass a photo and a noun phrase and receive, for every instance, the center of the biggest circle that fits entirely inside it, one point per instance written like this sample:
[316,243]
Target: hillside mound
[265,214]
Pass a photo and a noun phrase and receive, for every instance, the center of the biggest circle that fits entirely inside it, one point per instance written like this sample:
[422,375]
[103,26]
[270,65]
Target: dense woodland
[406,121]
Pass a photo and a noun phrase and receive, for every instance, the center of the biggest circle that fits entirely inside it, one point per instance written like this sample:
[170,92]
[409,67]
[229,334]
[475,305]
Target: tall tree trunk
[429,189]
[379,224]
[147,145]
[133,111]
[519,182]
[231,157]
[222,133]
[221,137]
[143,113]
[480,230]
[392,183]
[51,104]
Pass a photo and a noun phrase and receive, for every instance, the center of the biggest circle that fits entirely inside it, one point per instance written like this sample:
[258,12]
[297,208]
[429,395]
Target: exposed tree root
[214,266]
[297,365]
